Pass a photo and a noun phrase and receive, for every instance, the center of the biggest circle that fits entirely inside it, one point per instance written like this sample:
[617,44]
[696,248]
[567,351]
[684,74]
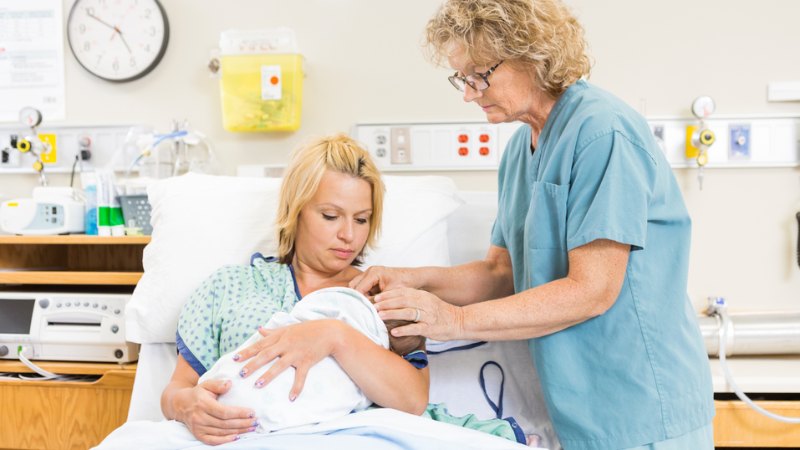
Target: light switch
[401,145]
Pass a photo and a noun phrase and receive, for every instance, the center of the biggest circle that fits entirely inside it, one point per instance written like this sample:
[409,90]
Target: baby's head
[402,345]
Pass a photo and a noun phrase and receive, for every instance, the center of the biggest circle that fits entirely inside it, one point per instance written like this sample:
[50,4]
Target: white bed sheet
[454,375]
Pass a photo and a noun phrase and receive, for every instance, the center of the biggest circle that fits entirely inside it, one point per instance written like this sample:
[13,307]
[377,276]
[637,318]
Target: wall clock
[118,40]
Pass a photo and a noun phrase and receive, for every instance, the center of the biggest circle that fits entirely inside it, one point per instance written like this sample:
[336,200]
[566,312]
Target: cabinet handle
[798,239]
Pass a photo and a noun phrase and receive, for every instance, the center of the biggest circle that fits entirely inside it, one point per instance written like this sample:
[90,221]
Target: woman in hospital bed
[329,212]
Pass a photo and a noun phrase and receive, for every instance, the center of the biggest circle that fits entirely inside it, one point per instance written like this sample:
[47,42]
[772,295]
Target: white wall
[364,64]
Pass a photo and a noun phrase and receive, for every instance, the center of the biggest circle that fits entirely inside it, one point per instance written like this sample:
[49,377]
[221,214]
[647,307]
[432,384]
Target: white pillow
[202,222]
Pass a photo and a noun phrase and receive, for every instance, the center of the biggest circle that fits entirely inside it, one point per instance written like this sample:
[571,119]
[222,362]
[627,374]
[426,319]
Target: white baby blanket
[328,392]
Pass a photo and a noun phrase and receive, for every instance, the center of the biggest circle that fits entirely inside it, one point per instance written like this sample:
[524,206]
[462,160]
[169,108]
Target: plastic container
[262,80]
[136,212]
[89,182]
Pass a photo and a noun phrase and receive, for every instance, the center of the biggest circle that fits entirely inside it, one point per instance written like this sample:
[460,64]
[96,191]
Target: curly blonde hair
[541,35]
[307,164]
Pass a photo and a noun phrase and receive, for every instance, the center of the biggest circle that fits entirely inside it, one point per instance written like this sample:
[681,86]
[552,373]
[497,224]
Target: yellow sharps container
[262,80]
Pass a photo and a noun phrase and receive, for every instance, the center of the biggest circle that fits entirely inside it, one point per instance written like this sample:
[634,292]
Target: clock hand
[123,41]
[99,20]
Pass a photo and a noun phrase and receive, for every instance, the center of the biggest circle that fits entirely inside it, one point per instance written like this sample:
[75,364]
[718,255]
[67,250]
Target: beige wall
[364,64]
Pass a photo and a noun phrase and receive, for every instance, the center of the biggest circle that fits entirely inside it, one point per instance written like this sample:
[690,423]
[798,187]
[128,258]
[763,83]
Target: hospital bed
[456,367]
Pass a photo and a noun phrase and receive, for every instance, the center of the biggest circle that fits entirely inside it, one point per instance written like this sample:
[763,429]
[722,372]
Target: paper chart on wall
[31,58]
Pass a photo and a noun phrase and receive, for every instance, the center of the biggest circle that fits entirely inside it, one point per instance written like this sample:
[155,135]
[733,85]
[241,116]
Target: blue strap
[188,355]
[417,359]
[518,434]
[499,407]
[454,349]
[260,256]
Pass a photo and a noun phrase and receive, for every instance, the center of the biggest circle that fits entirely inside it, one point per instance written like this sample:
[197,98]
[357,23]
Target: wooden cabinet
[63,415]
[71,260]
[736,425]
[67,415]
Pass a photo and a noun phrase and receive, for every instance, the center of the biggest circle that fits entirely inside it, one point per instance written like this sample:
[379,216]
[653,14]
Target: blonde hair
[541,35]
[307,164]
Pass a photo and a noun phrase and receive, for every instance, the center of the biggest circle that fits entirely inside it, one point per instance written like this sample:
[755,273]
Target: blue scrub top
[639,373]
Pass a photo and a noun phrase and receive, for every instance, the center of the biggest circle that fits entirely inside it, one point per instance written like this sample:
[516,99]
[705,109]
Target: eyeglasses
[475,80]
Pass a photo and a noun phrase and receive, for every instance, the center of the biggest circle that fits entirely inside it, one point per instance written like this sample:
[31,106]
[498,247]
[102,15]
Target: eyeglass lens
[475,81]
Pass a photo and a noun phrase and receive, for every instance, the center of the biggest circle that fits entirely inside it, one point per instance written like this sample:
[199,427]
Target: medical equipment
[700,138]
[752,333]
[65,327]
[160,156]
[34,143]
[51,211]
[261,80]
[718,307]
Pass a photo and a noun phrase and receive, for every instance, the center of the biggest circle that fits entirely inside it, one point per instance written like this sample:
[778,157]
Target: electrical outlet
[401,145]
[739,142]
[658,131]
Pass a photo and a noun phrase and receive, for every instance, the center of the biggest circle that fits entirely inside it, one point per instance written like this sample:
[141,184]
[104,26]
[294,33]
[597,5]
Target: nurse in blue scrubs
[589,254]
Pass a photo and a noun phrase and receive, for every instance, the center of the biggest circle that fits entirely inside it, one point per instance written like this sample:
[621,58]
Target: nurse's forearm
[472,282]
[537,312]
[596,275]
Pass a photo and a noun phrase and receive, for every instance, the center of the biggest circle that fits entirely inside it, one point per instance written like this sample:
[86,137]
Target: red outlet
[463,151]
[463,138]
[484,138]
[484,151]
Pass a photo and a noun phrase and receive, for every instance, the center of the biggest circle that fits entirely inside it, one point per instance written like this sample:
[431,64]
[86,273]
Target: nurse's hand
[379,279]
[438,320]
[300,346]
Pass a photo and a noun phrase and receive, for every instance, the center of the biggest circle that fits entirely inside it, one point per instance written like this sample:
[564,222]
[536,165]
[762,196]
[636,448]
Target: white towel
[328,392]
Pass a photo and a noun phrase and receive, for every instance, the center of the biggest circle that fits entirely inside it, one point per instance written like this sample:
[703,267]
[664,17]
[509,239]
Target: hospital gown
[229,306]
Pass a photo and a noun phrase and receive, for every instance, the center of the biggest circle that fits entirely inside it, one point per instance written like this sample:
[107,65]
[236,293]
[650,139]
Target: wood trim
[736,425]
[60,277]
[112,379]
[77,239]
[66,368]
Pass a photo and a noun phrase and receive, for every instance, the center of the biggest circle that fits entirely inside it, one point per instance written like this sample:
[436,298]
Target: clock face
[118,40]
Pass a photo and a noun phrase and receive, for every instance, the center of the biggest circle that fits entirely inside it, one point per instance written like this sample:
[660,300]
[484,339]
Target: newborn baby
[328,392]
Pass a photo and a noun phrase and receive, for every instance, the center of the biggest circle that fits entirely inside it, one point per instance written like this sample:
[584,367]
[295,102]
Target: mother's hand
[300,346]
[437,319]
[208,420]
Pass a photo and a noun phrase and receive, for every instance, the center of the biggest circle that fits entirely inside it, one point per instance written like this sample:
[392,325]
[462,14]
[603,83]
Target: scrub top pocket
[546,224]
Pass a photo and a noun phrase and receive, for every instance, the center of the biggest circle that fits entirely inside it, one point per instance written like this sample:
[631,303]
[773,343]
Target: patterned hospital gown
[229,307]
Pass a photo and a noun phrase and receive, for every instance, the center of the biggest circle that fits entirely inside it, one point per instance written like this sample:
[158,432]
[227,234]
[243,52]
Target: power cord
[44,375]
[720,306]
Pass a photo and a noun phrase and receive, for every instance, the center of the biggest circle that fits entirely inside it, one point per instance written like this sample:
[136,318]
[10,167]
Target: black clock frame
[140,74]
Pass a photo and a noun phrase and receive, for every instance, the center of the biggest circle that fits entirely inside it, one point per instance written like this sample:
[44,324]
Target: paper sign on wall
[31,58]
[271,82]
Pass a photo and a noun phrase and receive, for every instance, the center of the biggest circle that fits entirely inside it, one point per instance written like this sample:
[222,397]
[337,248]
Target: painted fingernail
[236,438]
[236,357]
[251,415]
[255,424]
[258,327]
[293,398]
[259,383]
[226,383]
[243,373]
[251,429]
